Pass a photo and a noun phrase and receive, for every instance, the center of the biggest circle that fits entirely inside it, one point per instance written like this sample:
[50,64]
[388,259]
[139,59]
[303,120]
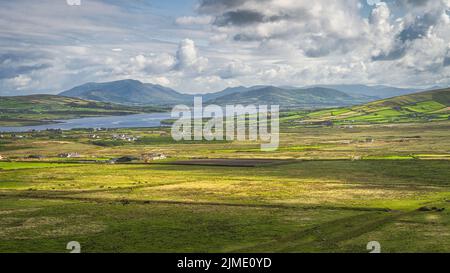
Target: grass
[341,187]
[421,107]
[143,228]
[44,109]
[312,206]
[31,165]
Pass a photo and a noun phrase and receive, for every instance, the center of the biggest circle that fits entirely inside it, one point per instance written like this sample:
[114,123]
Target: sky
[200,46]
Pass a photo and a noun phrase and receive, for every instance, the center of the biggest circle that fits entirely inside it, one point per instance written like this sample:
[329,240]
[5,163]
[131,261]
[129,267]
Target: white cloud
[194,20]
[318,28]
[373,2]
[188,58]
[382,31]
[235,68]
[20,81]
[161,81]
[330,41]
[239,42]
[153,63]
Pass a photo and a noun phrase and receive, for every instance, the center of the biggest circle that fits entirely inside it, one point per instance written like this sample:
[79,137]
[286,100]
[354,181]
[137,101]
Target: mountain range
[133,92]
[315,97]
[130,92]
[378,91]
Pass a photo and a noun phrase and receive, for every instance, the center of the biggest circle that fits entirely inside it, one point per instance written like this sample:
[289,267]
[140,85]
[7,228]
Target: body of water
[129,121]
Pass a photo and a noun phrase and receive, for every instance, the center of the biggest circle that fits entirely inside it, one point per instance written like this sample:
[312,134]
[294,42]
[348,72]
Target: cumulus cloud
[381,28]
[186,60]
[321,28]
[416,25]
[405,37]
[301,22]
[235,68]
[153,63]
[187,57]
[231,42]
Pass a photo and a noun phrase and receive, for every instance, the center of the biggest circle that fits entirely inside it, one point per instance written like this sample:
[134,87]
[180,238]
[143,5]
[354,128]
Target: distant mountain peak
[316,97]
[128,91]
[135,92]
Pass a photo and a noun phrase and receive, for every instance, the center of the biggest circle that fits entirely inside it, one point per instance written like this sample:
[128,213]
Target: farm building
[152,157]
[124,137]
[68,155]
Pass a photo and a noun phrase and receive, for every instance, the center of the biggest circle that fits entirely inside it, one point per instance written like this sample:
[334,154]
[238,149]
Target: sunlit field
[332,189]
[198,127]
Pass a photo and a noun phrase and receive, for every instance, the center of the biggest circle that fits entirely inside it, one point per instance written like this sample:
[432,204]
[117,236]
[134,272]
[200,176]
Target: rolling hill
[41,109]
[129,92]
[419,107]
[316,97]
[377,91]
[229,91]
[132,92]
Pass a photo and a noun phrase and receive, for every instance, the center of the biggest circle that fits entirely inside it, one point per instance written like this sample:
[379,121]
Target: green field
[319,201]
[332,188]
[421,107]
[43,109]
[315,206]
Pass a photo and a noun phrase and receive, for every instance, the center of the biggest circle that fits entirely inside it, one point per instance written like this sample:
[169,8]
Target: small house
[69,155]
[153,157]
[124,137]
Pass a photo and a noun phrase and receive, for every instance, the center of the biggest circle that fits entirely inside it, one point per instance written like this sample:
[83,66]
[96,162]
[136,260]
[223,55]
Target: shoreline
[91,122]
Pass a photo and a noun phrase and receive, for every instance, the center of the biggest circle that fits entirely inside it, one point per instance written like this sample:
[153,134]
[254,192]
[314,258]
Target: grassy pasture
[421,107]
[338,188]
[44,109]
[329,206]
